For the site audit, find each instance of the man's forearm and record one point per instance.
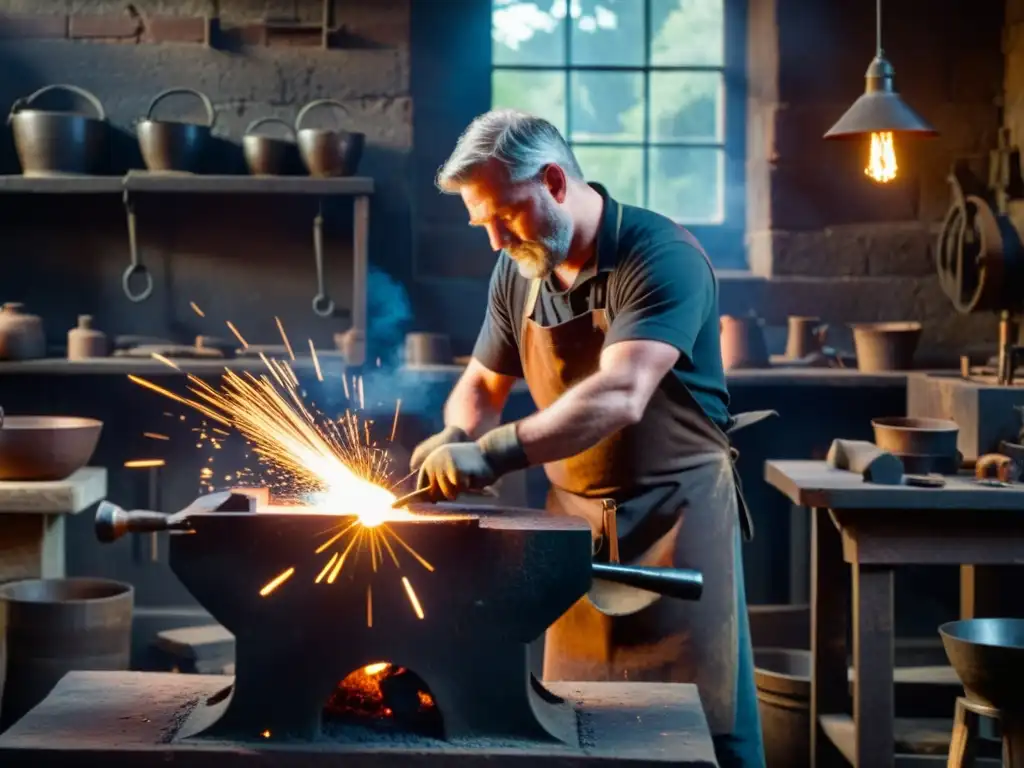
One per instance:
(594, 409)
(470, 408)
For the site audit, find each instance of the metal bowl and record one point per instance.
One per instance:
(45, 447)
(988, 657)
(58, 143)
(916, 436)
(326, 152)
(168, 145)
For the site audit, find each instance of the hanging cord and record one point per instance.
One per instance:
(878, 28)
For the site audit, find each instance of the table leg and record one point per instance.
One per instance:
(873, 705)
(829, 601)
(988, 591)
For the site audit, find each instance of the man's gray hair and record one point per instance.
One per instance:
(523, 143)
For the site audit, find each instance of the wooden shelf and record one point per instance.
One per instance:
(182, 183)
(67, 185)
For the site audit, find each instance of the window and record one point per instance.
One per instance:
(641, 89)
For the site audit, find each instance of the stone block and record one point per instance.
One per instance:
(33, 27)
(384, 23)
(103, 27)
(903, 248)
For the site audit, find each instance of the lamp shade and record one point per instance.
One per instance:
(879, 109)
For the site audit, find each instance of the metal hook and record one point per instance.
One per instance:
(323, 305)
(135, 267)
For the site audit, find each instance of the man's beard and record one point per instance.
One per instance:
(537, 259)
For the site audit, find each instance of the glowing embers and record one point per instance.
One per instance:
(383, 697)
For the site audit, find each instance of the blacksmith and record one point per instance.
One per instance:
(610, 314)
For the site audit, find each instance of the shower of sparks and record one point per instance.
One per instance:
(284, 338)
(165, 360)
(277, 582)
(241, 340)
(145, 464)
(330, 467)
(155, 436)
(196, 309)
(316, 361)
(394, 423)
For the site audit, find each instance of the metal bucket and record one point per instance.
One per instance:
(56, 626)
(58, 143)
(168, 145)
(328, 153)
(268, 155)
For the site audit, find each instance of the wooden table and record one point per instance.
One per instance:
(875, 528)
(32, 522)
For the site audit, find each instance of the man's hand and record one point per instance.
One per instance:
(460, 467)
(446, 436)
(454, 469)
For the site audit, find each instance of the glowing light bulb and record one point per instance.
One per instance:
(882, 165)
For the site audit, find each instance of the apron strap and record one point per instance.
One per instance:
(532, 293)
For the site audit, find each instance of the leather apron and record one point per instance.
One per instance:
(655, 493)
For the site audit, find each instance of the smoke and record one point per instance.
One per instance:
(388, 319)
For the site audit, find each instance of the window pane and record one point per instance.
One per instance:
(539, 93)
(607, 106)
(687, 33)
(687, 184)
(687, 106)
(528, 32)
(607, 33)
(619, 169)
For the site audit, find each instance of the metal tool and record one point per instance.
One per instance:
(323, 304)
(427, 496)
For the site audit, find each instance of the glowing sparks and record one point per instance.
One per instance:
(166, 361)
(276, 582)
(330, 467)
(416, 607)
(196, 309)
(316, 361)
(394, 423)
(376, 668)
(882, 163)
(241, 339)
(145, 464)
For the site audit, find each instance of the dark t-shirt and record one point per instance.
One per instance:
(658, 287)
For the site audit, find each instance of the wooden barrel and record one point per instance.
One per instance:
(55, 626)
(783, 678)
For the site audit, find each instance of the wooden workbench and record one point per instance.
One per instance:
(874, 529)
(32, 522)
(131, 720)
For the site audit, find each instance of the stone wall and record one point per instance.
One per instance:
(1013, 86)
(832, 242)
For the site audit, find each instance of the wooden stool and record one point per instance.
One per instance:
(963, 745)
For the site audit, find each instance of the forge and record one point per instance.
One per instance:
(405, 643)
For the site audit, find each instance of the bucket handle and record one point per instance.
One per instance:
(264, 120)
(318, 103)
(211, 114)
(25, 101)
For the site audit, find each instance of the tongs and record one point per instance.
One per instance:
(429, 495)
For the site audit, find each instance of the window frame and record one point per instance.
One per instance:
(723, 241)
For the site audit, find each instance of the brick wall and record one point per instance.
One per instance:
(832, 242)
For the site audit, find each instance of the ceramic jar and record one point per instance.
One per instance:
(743, 342)
(85, 342)
(21, 334)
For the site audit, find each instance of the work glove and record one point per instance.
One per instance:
(444, 437)
(457, 468)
